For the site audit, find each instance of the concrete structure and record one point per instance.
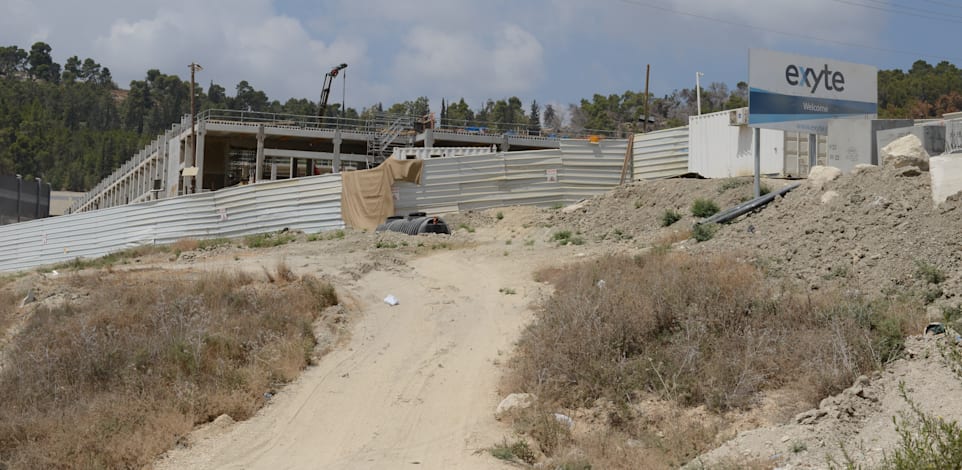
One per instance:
(236, 148)
(853, 141)
(932, 136)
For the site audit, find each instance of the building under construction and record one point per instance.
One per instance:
(242, 147)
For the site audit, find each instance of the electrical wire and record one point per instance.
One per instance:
(945, 4)
(919, 13)
(674, 11)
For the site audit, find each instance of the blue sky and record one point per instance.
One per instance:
(554, 51)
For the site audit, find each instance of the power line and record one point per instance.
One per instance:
(920, 13)
(785, 33)
(945, 4)
(894, 4)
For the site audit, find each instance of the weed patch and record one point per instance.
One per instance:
(704, 232)
(141, 360)
(669, 217)
(703, 331)
(704, 208)
(268, 240)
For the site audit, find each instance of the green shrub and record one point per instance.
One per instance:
(704, 232)
(704, 208)
(268, 240)
(929, 273)
(669, 217)
(499, 215)
(926, 441)
(517, 450)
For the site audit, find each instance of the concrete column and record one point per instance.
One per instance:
(259, 166)
(428, 138)
(201, 134)
(337, 152)
(292, 173)
(505, 145)
(311, 166)
(188, 162)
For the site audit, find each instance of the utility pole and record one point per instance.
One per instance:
(698, 76)
(647, 76)
(194, 67)
(19, 195)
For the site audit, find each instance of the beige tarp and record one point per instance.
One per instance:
(366, 199)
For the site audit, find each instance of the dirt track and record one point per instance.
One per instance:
(415, 385)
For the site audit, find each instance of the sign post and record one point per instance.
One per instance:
(798, 93)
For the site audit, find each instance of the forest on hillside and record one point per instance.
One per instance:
(71, 125)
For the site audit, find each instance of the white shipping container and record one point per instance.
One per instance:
(719, 149)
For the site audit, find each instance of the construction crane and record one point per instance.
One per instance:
(326, 92)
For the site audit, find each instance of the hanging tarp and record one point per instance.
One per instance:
(367, 199)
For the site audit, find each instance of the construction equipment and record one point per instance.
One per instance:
(326, 91)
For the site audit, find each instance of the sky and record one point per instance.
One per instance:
(553, 51)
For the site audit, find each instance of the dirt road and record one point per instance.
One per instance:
(415, 386)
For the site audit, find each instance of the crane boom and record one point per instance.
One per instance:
(326, 91)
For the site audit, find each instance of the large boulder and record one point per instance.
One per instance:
(823, 174)
(904, 152)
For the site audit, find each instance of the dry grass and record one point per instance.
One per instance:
(696, 331)
(114, 380)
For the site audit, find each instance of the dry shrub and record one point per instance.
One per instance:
(185, 244)
(698, 330)
(9, 301)
(112, 381)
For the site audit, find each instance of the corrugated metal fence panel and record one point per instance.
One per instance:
(661, 154)
(538, 177)
(310, 204)
(589, 168)
(524, 182)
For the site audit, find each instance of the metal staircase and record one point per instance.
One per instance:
(388, 130)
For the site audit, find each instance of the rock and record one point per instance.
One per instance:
(514, 401)
(864, 168)
(823, 174)
(810, 416)
(908, 171)
(829, 196)
(30, 298)
(223, 420)
(905, 152)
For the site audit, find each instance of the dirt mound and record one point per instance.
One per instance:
(874, 231)
(860, 418)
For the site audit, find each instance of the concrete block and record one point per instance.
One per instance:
(946, 172)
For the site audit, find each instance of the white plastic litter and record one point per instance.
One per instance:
(391, 300)
(564, 420)
(601, 284)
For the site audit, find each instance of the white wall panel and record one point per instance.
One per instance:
(310, 204)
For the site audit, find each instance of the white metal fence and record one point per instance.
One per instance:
(661, 154)
(310, 204)
(577, 170)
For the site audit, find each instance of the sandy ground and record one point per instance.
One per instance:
(415, 385)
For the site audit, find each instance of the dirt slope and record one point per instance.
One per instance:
(860, 419)
(415, 385)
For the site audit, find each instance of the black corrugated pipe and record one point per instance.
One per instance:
(416, 223)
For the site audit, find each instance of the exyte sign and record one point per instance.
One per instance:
(811, 78)
(800, 93)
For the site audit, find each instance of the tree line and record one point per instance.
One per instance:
(72, 125)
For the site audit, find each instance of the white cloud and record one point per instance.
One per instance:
(505, 60)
